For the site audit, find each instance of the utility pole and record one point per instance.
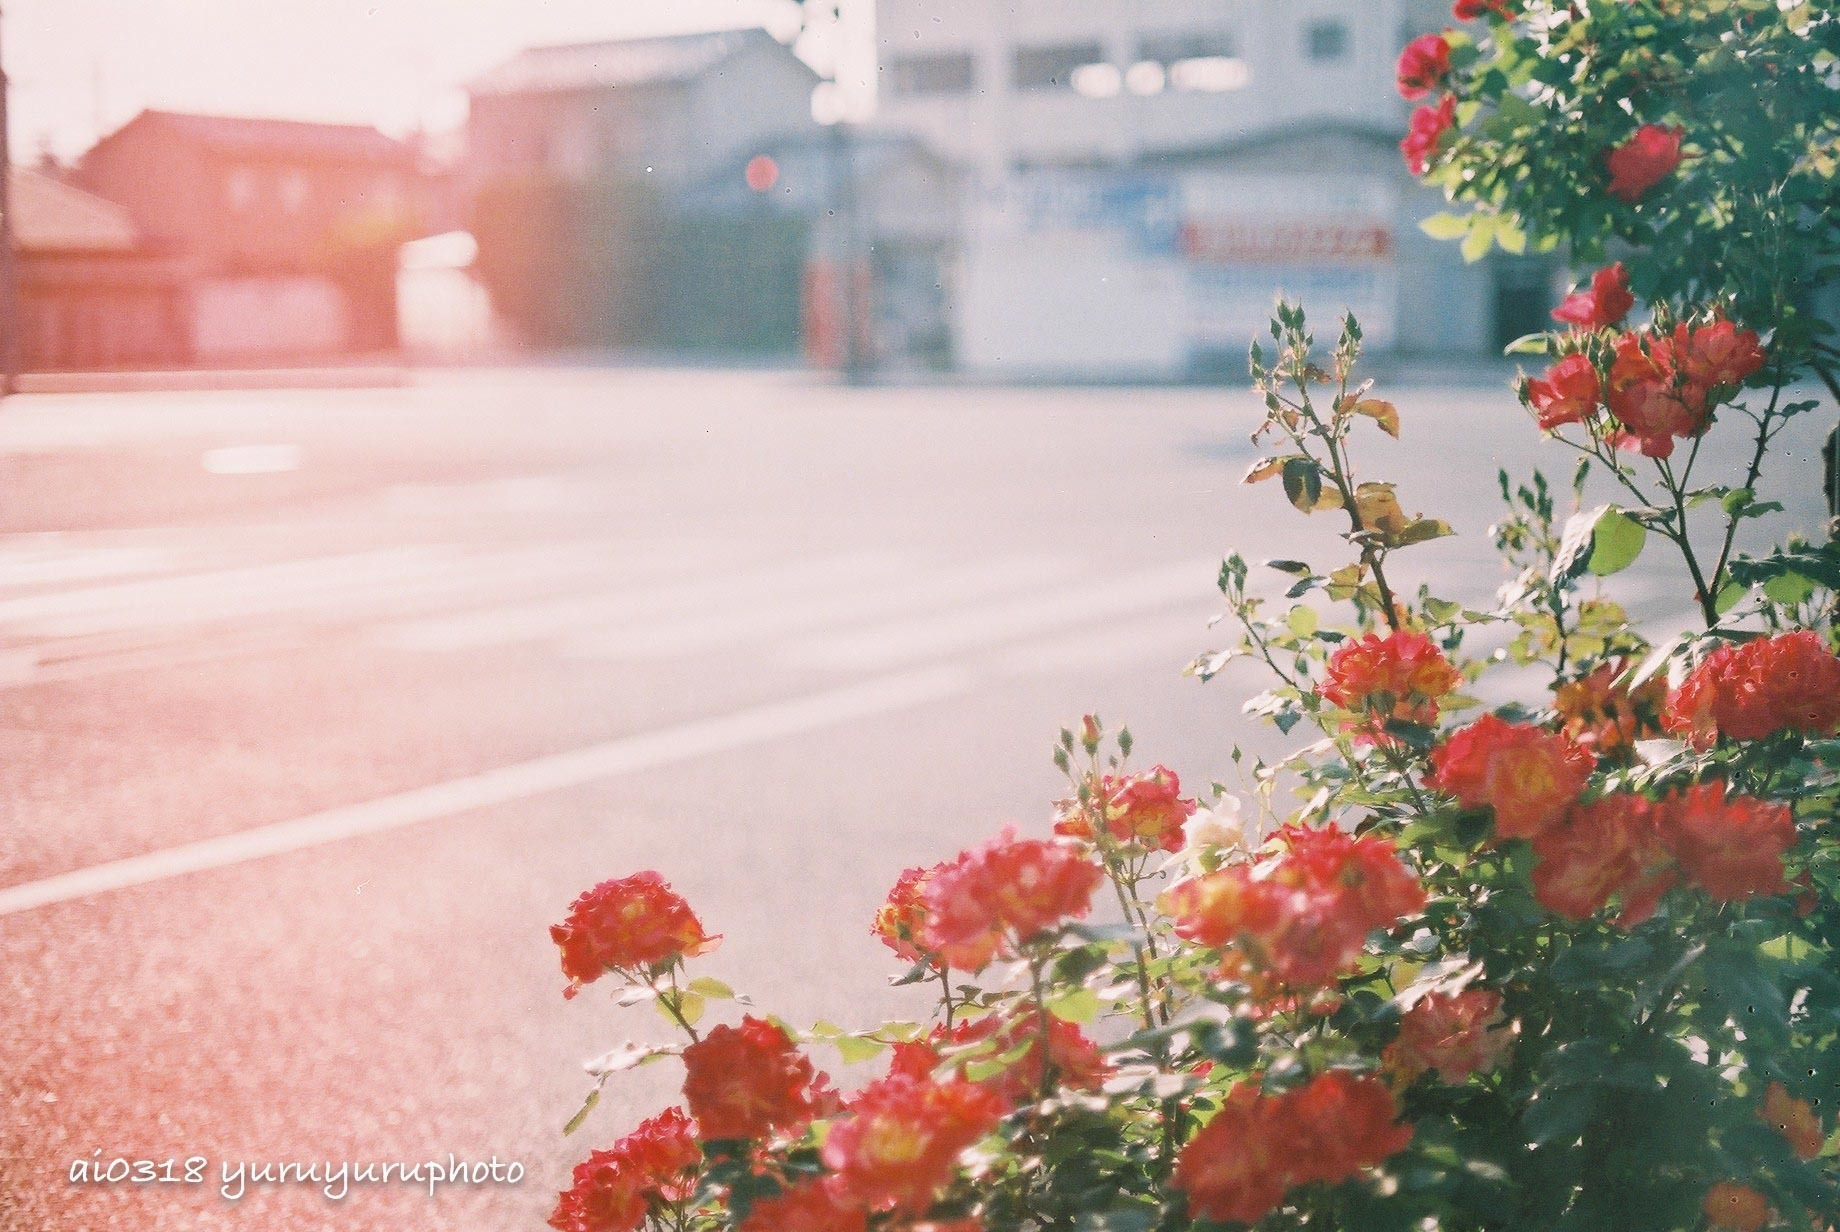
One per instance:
(9, 267)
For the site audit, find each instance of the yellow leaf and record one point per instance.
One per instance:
(1381, 412)
(1379, 509)
(1263, 469)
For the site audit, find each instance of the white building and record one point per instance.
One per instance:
(1151, 172)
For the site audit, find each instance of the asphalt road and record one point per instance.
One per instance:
(319, 706)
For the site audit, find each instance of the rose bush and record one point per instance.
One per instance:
(1563, 959)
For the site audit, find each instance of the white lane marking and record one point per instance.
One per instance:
(905, 641)
(528, 622)
(519, 781)
(745, 621)
(28, 564)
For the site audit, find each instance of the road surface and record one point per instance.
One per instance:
(321, 705)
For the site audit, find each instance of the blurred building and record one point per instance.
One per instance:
(579, 163)
(668, 110)
(1147, 177)
(292, 227)
(92, 294)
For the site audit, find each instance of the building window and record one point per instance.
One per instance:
(1326, 40)
(945, 73)
(1203, 61)
(1052, 67)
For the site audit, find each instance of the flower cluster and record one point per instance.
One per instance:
(1258, 1147)
(902, 916)
(1527, 775)
(1144, 810)
(901, 1136)
(1601, 714)
(614, 1190)
(995, 898)
(1304, 911)
(1398, 677)
(631, 924)
(1756, 689)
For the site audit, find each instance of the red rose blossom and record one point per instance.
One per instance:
(903, 916)
(900, 1139)
(1466, 10)
(1643, 161)
(1600, 850)
(1396, 677)
(994, 897)
(1143, 810)
(747, 1081)
(1452, 1034)
(1607, 717)
(1716, 353)
(1239, 1166)
(809, 1206)
(1759, 688)
(1304, 910)
(633, 923)
(1730, 847)
(1567, 394)
(1794, 1119)
(1607, 302)
(1526, 774)
(1731, 1207)
(1428, 126)
(1423, 65)
(613, 1190)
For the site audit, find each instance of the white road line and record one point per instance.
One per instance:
(906, 641)
(522, 780)
(24, 564)
(528, 622)
(745, 621)
(1175, 637)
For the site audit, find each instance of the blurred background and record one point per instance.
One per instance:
(470, 449)
(1092, 190)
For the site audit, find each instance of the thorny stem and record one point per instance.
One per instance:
(1765, 433)
(671, 1000)
(945, 982)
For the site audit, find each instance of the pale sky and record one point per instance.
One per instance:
(82, 67)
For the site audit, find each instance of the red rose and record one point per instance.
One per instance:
(1454, 1034)
(747, 1081)
(1747, 692)
(1257, 1147)
(1142, 810)
(613, 1190)
(1396, 677)
(1647, 397)
(1794, 1119)
(1730, 848)
(1526, 774)
(1428, 125)
(627, 925)
(1423, 65)
(1607, 302)
(1567, 394)
(903, 916)
(1715, 354)
(1468, 9)
(1303, 911)
(1643, 161)
(992, 898)
(809, 1206)
(1600, 850)
(900, 1138)
(1736, 1208)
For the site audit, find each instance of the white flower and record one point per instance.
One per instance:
(1218, 835)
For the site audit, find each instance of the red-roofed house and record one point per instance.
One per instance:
(294, 226)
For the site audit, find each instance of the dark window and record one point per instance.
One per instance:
(943, 73)
(1326, 40)
(1167, 49)
(1051, 68)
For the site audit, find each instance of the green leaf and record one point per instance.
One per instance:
(1302, 620)
(855, 1049)
(1446, 226)
(1079, 1006)
(581, 1115)
(1616, 541)
(716, 990)
(1302, 483)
